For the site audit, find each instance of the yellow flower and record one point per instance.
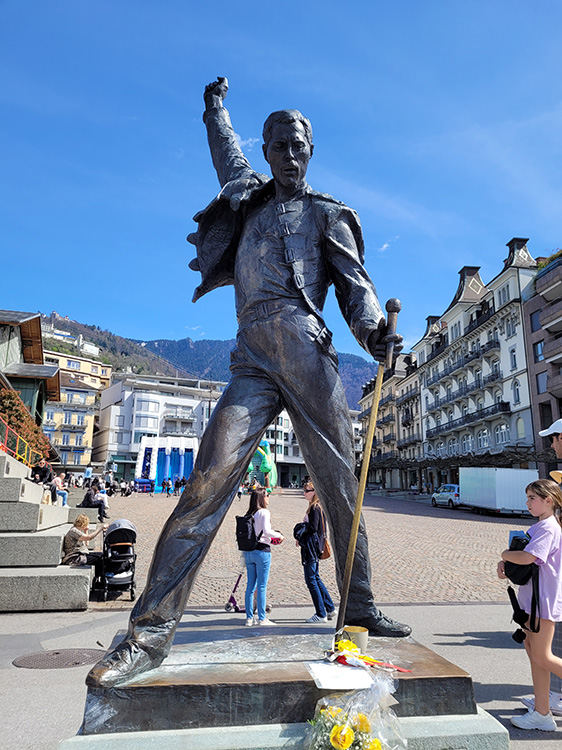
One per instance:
(346, 646)
(374, 745)
(332, 711)
(342, 736)
(361, 723)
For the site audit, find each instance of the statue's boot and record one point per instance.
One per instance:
(381, 625)
(126, 660)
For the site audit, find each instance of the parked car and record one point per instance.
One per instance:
(447, 494)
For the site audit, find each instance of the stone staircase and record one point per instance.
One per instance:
(31, 576)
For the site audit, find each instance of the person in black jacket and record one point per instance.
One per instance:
(312, 541)
(43, 474)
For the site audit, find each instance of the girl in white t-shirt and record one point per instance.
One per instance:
(258, 560)
(544, 501)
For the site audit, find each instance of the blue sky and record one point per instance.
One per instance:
(440, 122)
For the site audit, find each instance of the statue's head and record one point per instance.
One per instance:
(287, 146)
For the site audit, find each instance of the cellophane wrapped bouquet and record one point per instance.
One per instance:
(358, 720)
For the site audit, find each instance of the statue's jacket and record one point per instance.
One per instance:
(324, 249)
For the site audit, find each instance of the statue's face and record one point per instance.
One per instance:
(288, 153)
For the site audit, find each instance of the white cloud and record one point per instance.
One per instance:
(192, 328)
(385, 247)
(246, 143)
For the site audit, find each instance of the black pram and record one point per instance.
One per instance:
(119, 557)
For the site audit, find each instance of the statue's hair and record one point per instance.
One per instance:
(285, 117)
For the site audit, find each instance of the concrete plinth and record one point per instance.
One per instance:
(40, 589)
(478, 731)
(258, 678)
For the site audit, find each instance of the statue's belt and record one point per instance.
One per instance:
(285, 305)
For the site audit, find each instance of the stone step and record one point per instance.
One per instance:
(13, 489)
(43, 589)
(25, 516)
(73, 514)
(478, 731)
(10, 467)
(36, 549)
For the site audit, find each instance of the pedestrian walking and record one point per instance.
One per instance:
(258, 560)
(544, 501)
(312, 539)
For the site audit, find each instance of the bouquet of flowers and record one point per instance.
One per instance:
(359, 720)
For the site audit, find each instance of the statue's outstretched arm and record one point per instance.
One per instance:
(228, 159)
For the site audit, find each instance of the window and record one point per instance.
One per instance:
(280, 421)
(496, 367)
(80, 420)
(467, 443)
(517, 392)
(104, 370)
(72, 364)
(440, 449)
(65, 438)
(483, 439)
(50, 415)
(286, 450)
(296, 450)
(94, 369)
(503, 295)
(537, 351)
(478, 377)
(139, 435)
(453, 447)
(78, 439)
(68, 417)
(498, 395)
(541, 382)
(535, 321)
(513, 359)
(119, 420)
(279, 448)
(502, 433)
(64, 457)
(509, 328)
(120, 437)
(520, 429)
(146, 422)
(145, 405)
(286, 423)
(464, 409)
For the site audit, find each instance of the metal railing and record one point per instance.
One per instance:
(475, 416)
(14, 445)
(412, 393)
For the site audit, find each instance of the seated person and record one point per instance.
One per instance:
(43, 474)
(59, 489)
(75, 550)
(96, 499)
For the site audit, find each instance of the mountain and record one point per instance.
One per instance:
(210, 359)
(203, 359)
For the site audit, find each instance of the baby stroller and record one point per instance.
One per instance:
(119, 558)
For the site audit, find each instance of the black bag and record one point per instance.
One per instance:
(246, 534)
(519, 575)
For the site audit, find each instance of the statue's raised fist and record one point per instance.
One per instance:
(215, 91)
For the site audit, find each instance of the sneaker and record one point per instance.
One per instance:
(265, 622)
(534, 720)
(332, 614)
(316, 618)
(555, 703)
(249, 622)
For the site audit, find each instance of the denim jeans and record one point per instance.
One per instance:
(64, 495)
(319, 593)
(257, 569)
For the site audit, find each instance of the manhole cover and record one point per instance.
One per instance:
(61, 659)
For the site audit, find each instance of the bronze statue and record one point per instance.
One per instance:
(281, 244)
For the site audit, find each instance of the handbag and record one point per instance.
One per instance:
(327, 551)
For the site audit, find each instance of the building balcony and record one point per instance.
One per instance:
(390, 438)
(554, 385)
(409, 440)
(552, 351)
(482, 318)
(475, 416)
(385, 456)
(72, 427)
(184, 415)
(387, 399)
(69, 406)
(437, 351)
(551, 317)
(386, 420)
(68, 447)
(489, 346)
(49, 423)
(412, 393)
(175, 432)
(548, 281)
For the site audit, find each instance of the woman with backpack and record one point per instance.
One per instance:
(544, 501)
(258, 560)
(312, 539)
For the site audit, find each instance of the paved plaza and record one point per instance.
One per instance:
(433, 568)
(419, 554)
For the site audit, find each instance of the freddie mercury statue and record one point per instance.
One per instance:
(281, 244)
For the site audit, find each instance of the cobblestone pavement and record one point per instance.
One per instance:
(419, 554)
